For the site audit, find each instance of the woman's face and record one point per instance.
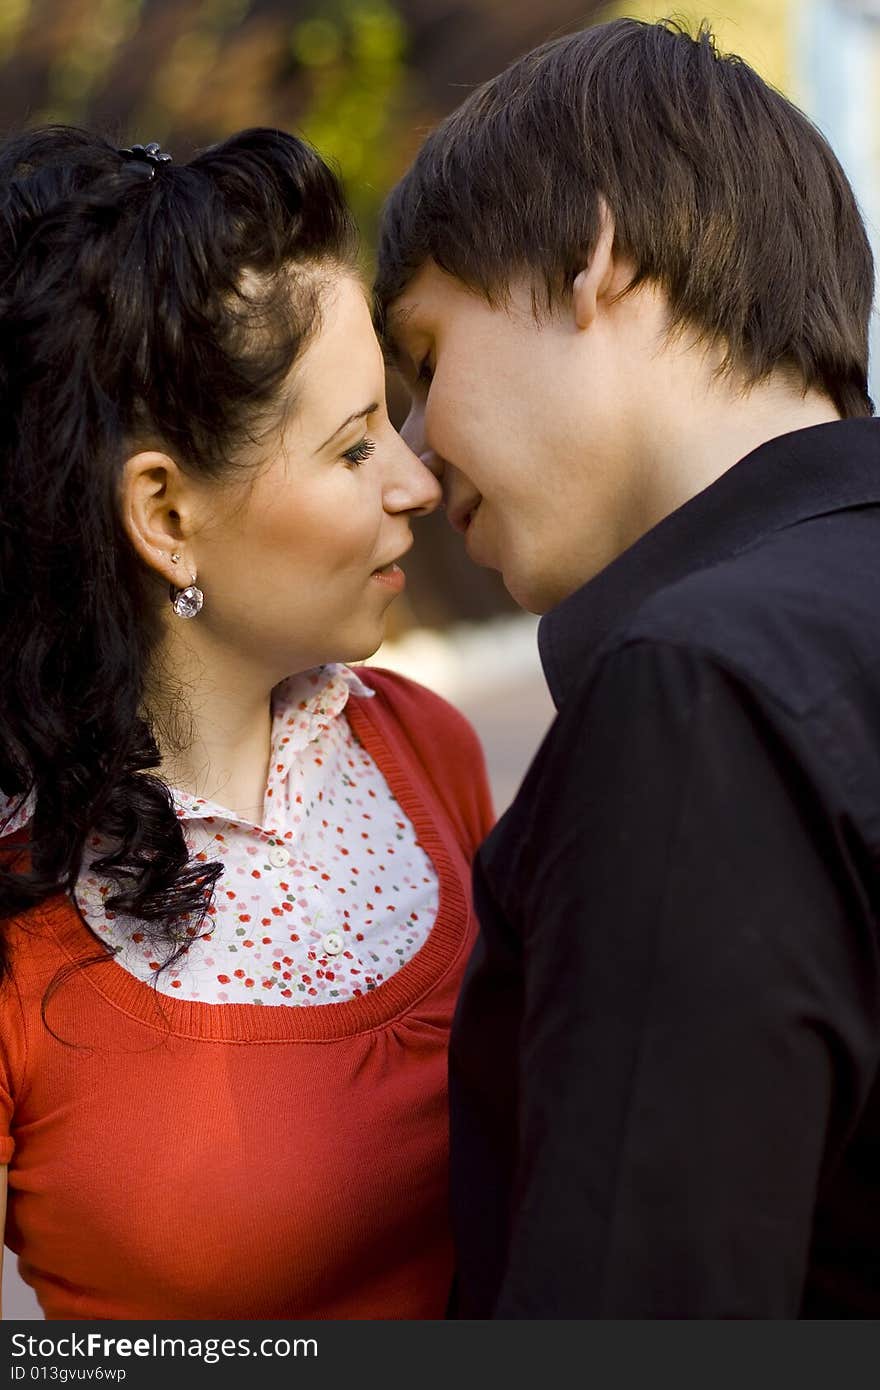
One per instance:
(298, 564)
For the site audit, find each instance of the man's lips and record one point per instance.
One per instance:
(461, 515)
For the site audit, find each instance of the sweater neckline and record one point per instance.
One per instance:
(286, 1023)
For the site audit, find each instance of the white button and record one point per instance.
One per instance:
(278, 856)
(333, 943)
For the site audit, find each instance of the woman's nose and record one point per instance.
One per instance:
(433, 462)
(429, 490)
(413, 485)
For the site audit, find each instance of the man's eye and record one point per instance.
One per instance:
(360, 452)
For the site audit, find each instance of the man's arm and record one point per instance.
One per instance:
(694, 973)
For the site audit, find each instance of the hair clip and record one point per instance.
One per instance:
(150, 156)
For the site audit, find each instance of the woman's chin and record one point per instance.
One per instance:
(363, 647)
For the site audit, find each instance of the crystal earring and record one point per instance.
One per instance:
(187, 602)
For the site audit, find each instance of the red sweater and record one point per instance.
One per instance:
(173, 1159)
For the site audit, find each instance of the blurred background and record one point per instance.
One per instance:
(364, 80)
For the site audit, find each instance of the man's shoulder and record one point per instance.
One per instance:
(794, 614)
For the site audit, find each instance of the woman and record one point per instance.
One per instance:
(235, 900)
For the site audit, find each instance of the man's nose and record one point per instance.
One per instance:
(412, 433)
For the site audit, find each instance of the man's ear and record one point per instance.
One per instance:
(596, 279)
(154, 511)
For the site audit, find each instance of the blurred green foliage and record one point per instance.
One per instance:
(360, 78)
(79, 68)
(189, 72)
(13, 14)
(354, 54)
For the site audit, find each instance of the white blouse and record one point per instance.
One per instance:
(325, 898)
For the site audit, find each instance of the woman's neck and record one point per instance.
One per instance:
(213, 722)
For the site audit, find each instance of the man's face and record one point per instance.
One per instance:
(517, 417)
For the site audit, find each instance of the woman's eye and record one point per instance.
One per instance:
(360, 453)
(425, 373)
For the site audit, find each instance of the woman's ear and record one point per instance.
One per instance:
(598, 279)
(154, 511)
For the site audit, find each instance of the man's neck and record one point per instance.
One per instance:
(712, 427)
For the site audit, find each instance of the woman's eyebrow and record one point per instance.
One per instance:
(356, 415)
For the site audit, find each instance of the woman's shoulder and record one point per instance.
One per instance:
(442, 740)
(32, 945)
(419, 708)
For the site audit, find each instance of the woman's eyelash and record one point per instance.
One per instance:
(425, 372)
(360, 453)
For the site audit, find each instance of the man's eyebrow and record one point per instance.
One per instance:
(392, 324)
(355, 415)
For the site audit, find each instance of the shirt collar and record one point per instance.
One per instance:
(807, 473)
(15, 812)
(304, 707)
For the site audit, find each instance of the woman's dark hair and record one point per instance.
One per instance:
(137, 306)
(722, 192)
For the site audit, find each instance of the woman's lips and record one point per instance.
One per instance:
(392, 576)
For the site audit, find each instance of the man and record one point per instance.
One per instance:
(629, 287)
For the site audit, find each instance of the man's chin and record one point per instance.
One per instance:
(530, 589)
(526, 594)
(533, 591)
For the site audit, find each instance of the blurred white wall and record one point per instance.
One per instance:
(837, 67)
(18, 1300)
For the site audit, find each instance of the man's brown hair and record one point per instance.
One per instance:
(722, 192)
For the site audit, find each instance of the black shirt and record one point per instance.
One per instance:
(664, 1062)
